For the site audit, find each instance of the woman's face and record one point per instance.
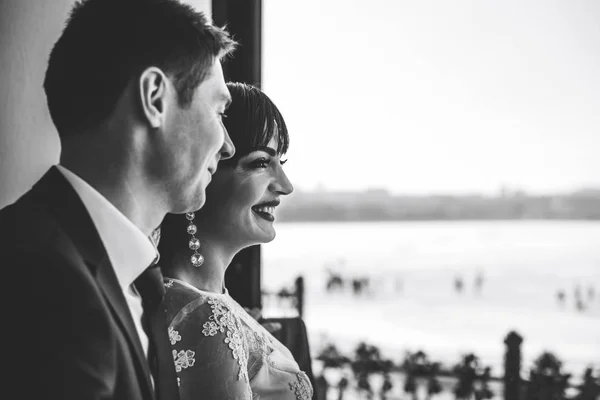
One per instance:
(241, 201)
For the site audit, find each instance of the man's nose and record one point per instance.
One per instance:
(228, 149)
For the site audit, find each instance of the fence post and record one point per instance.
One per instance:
(512, 366)
(321, 388)
(300, 295)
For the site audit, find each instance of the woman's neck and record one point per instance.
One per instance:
(210, 276)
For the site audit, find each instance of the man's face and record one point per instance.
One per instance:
(197, 140)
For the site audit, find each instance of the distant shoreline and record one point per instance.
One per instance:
(381, 206)
(283, 220)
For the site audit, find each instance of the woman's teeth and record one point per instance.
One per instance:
(267, 210)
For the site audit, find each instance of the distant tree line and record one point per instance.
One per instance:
(381, 206)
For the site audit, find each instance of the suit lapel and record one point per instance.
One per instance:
(113, 294)
(167, 378)
(55, 192)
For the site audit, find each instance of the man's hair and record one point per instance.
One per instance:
(106, 43)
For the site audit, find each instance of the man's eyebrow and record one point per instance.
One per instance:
(270, 151)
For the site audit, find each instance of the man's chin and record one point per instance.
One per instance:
(189, 202)
(192, 206)
(200, 203)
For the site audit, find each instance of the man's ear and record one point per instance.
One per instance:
(153, 90)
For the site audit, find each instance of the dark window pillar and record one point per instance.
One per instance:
(243, 278)
(244, 21)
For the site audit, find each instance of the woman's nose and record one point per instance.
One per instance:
(282, 184)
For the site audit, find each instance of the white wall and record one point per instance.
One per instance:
(28, 140)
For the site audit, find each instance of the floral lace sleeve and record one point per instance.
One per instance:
(210, 357)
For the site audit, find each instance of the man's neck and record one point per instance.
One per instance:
(121, 186)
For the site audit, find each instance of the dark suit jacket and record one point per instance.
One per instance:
(70, 332)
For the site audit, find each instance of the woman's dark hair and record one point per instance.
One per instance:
(252, 121)
(106, 43)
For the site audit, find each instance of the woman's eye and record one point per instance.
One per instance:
(282, 162)
(222, 115)
(260, 163)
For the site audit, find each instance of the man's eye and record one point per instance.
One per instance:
(223, 115)
(282, 162)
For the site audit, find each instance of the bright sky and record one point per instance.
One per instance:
(428, 96)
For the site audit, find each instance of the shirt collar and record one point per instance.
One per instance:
(129, 250)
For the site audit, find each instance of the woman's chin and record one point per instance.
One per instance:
(265, 237)
(264, 231)
(272, 237)
(257, 238)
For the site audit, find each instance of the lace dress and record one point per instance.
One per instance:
(221, 352)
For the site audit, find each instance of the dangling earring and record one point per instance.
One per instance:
(155, 236)
(194, 244)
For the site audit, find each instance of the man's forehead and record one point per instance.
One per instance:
(215, 82)
(221, 92)
(215, 91)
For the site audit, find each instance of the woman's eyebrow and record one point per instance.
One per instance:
(270, 151)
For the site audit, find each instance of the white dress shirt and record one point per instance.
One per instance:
(129, 250)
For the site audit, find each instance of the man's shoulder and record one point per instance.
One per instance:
(33, 223)
(27, 224)
(40, 262)
(33, 244)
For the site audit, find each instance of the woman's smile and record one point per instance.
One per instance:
(266, 210)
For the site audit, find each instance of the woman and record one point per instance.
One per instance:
(220, 351)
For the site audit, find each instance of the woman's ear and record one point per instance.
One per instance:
(153, 95)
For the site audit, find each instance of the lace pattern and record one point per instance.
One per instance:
(302, 389)
(223, 320)
(174, 336)
(251, 346)
(257, 345)
(183, 359)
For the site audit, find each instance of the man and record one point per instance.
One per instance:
(136, 91)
